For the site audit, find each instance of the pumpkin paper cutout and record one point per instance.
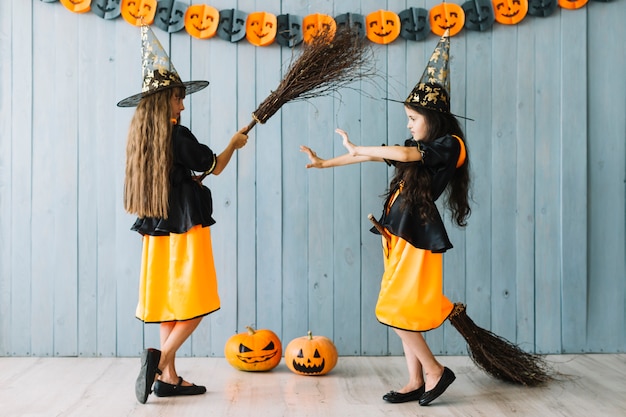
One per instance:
(382, 26)
(311, 355)
(77, 6)
(478, 15)
(106, 9)
(254, 350)
(232, 25)
(261, 28)
(541, 8)
(139, 12)
(510, 12)
(289, 30)
(317, 23)
(170, 15)
(446, 16)
(572, 4)
(414, 24)
(201, 21)
(353, 21)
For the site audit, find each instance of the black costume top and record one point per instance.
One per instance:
(439, 158)
(190, 203)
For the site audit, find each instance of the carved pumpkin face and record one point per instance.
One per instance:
(261, 28)
(138, 12)
(317, 23)
(170, 15)
(254, 350)
(572, 4)
(77, 6)
(106, 9)
(353, 21)
(289, 31)
(382, 26)
(510, 12)
(541, 8)
(478, 14)
(311, 355)
(414, 24)
(446, 16)
(201, 21)
(232, 25)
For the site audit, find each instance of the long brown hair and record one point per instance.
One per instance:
(149, 157)
(417, 181)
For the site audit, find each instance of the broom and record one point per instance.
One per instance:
(493, 354)
(328, 63)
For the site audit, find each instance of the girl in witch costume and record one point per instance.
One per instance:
(178, 285)
(433, 162)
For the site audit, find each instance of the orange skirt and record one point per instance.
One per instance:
(411, 291)
(178, 280)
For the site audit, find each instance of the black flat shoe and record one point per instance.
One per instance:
(163, 389)
(397, 397)
(149, 368)
(446, 379)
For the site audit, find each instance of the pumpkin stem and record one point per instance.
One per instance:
(251, 330)
(310, 335)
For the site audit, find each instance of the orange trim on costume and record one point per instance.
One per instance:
(462, 154)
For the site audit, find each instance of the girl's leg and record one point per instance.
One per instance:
(415, 343)
(173, 335)
(416, 376)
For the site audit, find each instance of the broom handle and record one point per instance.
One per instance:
(378, 226)
(245, 132)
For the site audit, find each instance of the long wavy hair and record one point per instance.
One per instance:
(149, 156)
(417, 182)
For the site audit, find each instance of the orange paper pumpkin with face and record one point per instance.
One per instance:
(446, 16)
(139, 12)
(317, 23)
(510, 12)
(261, 28)
(572, 4)
(382, 26)
(201, 21)
(77, 6)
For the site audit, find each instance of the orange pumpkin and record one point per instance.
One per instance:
(510, 12)
(311, 355)
(382, 26)
(254, 350)
(317, 23)
(446, 16)
(139, 12)
(201, 21)
(77, 6)
(261, 28)
(572, 4)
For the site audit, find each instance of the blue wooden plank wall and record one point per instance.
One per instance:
(541, 263)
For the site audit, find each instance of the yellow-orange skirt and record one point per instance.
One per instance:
(411, 291)
(178, 280)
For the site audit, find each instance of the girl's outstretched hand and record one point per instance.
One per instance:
(316, 161)
(346, 142)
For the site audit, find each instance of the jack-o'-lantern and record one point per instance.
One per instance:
(254, 350)
(201, 21)
(478, 15)
(572, 4)
(232, 25)
(353, 21)
(106, 9)
(446, 16)
(139, 12)
(414, 24)
(311, 355)
(316, 24)
(77, 6)
(382, 26)
(510, 12)
(541, 8)
(289, 30)
(170, 15)
(261, 28)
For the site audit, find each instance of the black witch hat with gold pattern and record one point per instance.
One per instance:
(158, 71)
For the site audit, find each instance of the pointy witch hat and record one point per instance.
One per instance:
(158, 71)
